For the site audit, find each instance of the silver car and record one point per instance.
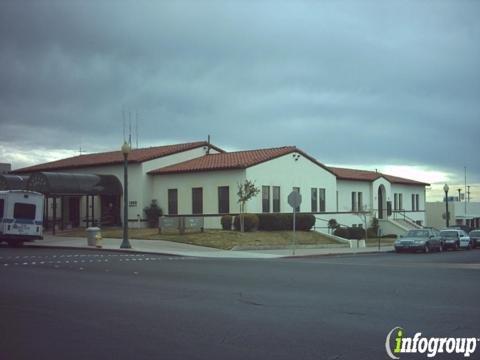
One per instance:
(425, 240)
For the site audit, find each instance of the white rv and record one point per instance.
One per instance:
(21, 216)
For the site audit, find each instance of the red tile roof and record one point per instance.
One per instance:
(231, 160)
(364, 175)
(114, 157)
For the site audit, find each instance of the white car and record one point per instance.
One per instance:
(455, 239)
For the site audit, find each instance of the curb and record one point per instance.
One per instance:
(338, 254)
(133, 251)
(287, 247)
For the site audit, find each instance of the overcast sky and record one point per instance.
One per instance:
(369, 84)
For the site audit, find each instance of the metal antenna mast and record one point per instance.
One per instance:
(136, 128)
(130, 128)
(123, 117)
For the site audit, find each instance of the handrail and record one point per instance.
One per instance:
(405, 216)
(339, 224)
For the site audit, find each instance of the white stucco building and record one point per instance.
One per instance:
(461, 213)
(199, 178)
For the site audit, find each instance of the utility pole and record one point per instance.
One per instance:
(465, 202)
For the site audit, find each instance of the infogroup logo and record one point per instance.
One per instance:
(397, 343)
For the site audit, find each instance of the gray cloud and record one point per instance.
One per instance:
(349, 82)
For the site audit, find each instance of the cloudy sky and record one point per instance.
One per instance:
(393, 86)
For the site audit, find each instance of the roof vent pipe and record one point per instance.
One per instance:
(208, 144)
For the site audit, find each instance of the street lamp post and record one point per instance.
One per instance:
(125, 151)
(447, 215)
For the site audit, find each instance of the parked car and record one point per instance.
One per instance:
(455, 239)
(425, 240)
(465, 228)
(475, 237)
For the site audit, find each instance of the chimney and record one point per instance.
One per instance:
(208, 144)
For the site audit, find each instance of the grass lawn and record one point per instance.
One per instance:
(383, 241)
(219, 239)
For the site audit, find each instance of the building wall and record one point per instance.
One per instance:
(5, 168)
(209, 182)
(147, 181)
(381, 183)
(407, 191)
(288, 173)
(435, 212)
(345, 189)
(140, 184)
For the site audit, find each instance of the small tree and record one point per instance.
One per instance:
(153, 212)
(364, 214)
(332, 225)
(375, 225)
(246, 191)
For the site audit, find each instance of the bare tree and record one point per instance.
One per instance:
(364, 214)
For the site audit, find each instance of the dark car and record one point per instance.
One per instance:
(425, 240)
(465, 228)
(475, 238)
(455, 239)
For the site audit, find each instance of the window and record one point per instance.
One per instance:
(276, 198)
(2, 204)
(417, 202)
(354, 201)
(223, 199)
(322, 200)
(395, 201)
(297, 189)
(360, 201)
(314, 198)
(24, 211)
(172, 201)
(197, 200)
(413, 202)
(400, 201)
(265, 199)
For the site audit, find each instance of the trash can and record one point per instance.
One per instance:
(92, 233)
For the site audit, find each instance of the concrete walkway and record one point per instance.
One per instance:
(180, 249)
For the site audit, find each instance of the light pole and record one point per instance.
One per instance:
(125, 151)
(447, 215)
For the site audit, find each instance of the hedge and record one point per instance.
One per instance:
(351, 233)
(226, 222)
(276, 222)
(250, 222)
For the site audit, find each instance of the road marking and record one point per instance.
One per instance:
(70, 259)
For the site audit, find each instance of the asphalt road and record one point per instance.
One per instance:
(72, 304)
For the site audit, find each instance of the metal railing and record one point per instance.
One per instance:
(401, 215)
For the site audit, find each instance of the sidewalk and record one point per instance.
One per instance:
(180, 249)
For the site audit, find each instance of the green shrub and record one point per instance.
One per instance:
(356, 233)
(279, 222)
(342, 232)
(153, 212)
(351, 233)
(226, 221)
(304, 222)
(333, 224)
(250, 222)
(271, 222)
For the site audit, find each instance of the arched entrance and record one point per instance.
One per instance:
(382, 204)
